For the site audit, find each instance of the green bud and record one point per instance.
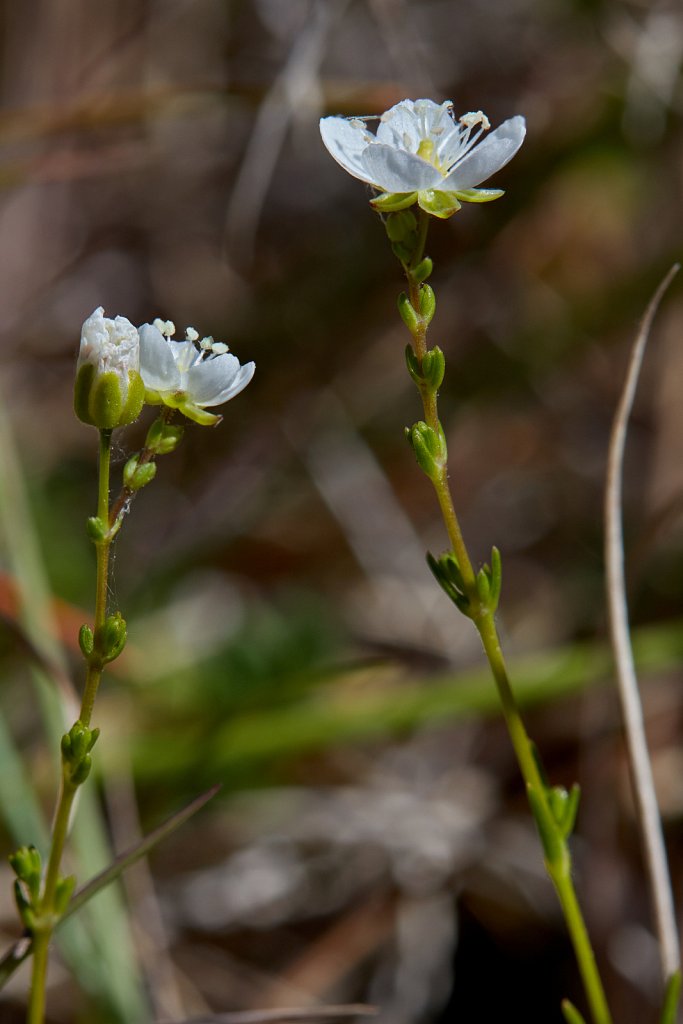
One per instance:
(438, 204)
(135, 475)
(109, 391)
(422, 271)
(76, 746)
(96, 529)
(427, 303)
(408, 314)
(483, 585)
(391, 202)
(433, 368)
(86, 640)
(112, 637)
(24, 906)
(429, 446)
(163, 438)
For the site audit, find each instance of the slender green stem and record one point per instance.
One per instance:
(559, 867)
(103, 546)
(36, 1006)
(583, 950)
(46, 913)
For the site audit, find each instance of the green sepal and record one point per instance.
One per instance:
(105, 403)
(408, 314)
(96, 528)
(571, 1014)
(82, 389)
(551, 838)
(672, 995)
(63, 893)
(392, 202)
(401, 227)
(112, 637)
(439, 204)
(429, 446)
(136, 476)
(86, 641)
(446, 571)
(478, 195)
(134, 400)
(422, 271)
(98, 399)
(163, 438)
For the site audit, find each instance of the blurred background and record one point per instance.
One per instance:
(371, 840)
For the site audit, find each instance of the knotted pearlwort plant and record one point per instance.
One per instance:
(119, 368)
(423, 155)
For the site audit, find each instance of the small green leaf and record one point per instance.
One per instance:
(408, 315)
(427, 303)
(422, 271)
(551, 837)
(433, 368)
(96, 528)
(86, 641)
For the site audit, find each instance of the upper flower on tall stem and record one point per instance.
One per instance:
(108, 391)
(189, 375)
(423, 153)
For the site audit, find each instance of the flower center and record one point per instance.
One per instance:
(427, 150)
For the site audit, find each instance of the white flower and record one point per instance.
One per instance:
(109, 390)
(421, 149)
(189, 375)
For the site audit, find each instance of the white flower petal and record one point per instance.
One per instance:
(238, 384)
(488, 156)
(157, 365)
(394, 170)
(346, 140)
(207, 379)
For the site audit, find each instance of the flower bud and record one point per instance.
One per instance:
(109, 391)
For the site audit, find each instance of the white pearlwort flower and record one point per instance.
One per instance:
(189, 375)
(109, 390)
(421, 150)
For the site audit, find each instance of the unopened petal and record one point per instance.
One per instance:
(157, 365)
(394, 170)
(346, 141)
(488, 157)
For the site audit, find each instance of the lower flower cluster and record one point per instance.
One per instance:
(120, 367)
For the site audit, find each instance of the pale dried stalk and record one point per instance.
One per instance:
(641, 767)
